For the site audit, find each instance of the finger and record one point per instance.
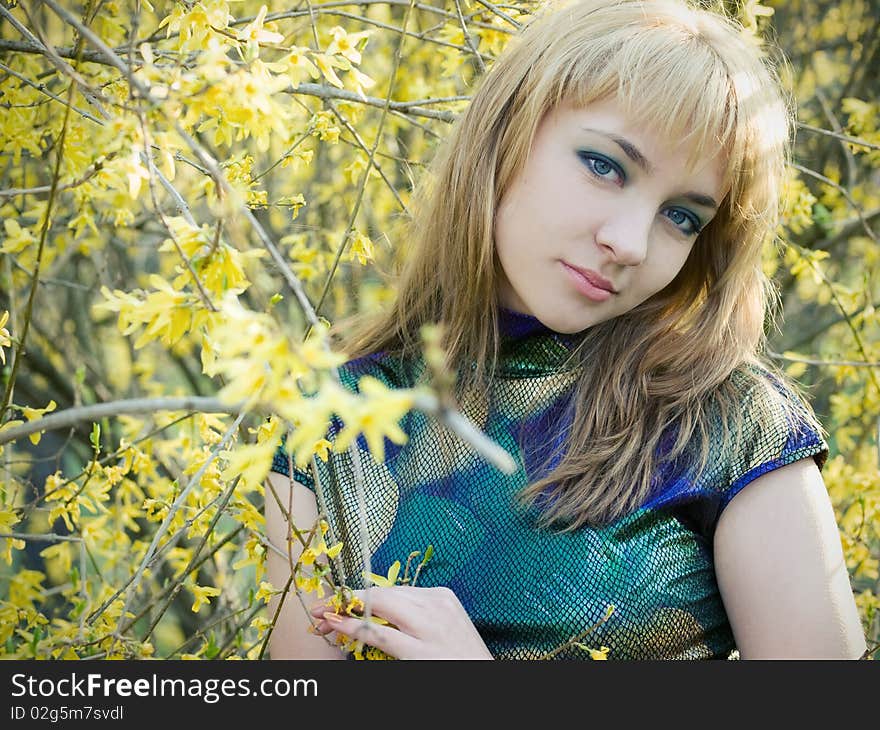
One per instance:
(318, 609)
(392, 641)
(397, 604)
(320, 627)
(381, 598)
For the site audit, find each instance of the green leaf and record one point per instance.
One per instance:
(38, 632)
(822, 215)
(95, 437)
(212, 650)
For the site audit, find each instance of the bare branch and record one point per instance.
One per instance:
(43, 90)
(96, 412)
(837, 135)
(823, 363)
(331, 92)
(166, 523)
(843, 191)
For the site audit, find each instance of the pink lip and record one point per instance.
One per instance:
(589, 283)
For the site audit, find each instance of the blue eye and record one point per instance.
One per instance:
(602, 167)
(685, 220)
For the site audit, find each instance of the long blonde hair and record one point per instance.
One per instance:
(685, 353)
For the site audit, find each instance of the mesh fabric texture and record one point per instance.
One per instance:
(530, 591)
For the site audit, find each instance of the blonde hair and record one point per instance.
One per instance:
(686, 355)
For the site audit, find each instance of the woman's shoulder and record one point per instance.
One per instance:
(758, 421)
(767, 399)
(774, 425)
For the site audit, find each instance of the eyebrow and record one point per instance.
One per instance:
(633, 152)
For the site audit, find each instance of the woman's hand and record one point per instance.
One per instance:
(430, 623)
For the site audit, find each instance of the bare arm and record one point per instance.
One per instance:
(781, 570)
(290, 638)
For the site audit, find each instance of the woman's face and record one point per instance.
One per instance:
(602, 216)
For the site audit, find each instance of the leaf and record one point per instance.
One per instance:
(95, 437)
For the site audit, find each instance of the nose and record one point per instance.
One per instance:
(625, 235)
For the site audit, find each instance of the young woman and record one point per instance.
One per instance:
(590, 238)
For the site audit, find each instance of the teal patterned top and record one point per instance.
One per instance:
(530, 591)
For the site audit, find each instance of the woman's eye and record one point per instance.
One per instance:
(602, 167)
(685, 220)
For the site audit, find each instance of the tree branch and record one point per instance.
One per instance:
(71, 416)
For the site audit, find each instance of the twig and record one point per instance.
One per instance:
(43, 90)
(843, 191)
(71, 416)
(343, 245)
(838, 135)
(454, 420)
(44, 229)
(851, 170)
(467, 37)
(354, 133)
(284, 593)
(56, 60)
(331, 92)
(224, 500)
(828, 363)
(163, 528)
(581, 635)
(500, 13)
(843, 311)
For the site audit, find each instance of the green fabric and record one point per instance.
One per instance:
(530, 591)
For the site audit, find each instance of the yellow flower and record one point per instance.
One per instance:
(345, 44)
(377, 417)
(33, 413)
(390, 580)
(298, 59)
(265, 592)
(361, 248)
(261, 623)
(326, 64)
(17, 238)
(310, 584)
(355, 607)
(6, 340)
(7, 519)
(135, 173)
(254, 34)
(595, 654)
(308, 556)
(321, 448)
(203, 595)
(295, 202)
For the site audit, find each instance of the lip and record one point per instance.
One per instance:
(589, 283)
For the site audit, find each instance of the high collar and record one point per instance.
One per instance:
(528, 347)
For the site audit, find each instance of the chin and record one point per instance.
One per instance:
(564, 325)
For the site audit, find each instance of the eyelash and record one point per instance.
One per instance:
(591, 158)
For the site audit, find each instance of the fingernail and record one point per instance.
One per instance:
(333, 618)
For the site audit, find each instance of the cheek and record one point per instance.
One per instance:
(667, 264)
(510, 235)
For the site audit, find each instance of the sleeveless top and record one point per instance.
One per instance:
(528, 591)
